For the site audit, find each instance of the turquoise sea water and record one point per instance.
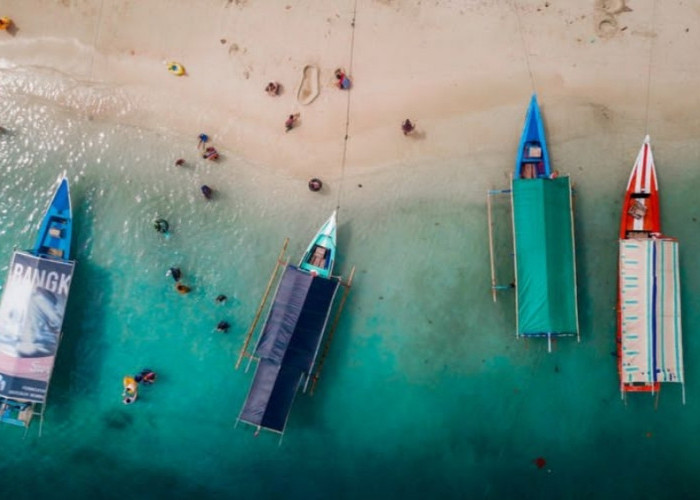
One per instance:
(426, 392)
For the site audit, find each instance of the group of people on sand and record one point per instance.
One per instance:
(343, 82)
(131, 384)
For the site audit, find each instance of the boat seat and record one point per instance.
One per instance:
(318, 258)
(56, 252)
(534, 152)
(55, 232)
(637, 210)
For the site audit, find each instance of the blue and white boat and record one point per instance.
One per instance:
(32, 308)
(532, 161)
(319, 257)
(57, 226)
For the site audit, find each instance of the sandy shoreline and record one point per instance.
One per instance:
(461, 72)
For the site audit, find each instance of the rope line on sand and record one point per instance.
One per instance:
(651, 53)
(96, 38)
(522, 39)
(347, 110)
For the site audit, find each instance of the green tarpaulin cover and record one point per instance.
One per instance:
(545, 257)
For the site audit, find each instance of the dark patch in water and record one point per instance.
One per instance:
(118, 420)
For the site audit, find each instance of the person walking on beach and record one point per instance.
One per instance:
(407, 127)
(203, 139)
(291, 122)
(273, 89)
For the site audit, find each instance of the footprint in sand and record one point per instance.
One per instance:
(308, 88)
(606, 25)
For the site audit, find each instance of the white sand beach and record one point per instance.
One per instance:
(463, 71)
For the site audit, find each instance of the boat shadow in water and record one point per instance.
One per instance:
(78, 361)
(310, 408)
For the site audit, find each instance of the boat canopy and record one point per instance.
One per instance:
(288, 346)
(31, 316)
(545, 257)
(650, 304)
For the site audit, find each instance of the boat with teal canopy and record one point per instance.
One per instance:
(543, 239)
(32, 308)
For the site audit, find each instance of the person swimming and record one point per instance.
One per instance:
(220, 299)
(207, 192)
(161, 226)
(146, 376)
(182, 289)
(210, 154)
(223, 326)
(175, 272)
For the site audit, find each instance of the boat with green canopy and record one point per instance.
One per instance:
(543, 240)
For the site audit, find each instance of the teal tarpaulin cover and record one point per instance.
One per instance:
(544, 257)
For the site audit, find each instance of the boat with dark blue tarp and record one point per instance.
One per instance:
(31, 314)
(289, 344)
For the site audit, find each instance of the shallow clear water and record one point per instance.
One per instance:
(426, 391)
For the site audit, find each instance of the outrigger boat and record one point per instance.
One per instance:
(31, 314)
(543, 240)
(649, 339)
(287, 349)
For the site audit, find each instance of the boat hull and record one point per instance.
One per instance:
(55, 232)
(641, 218)
(532, 161)
(319, 257)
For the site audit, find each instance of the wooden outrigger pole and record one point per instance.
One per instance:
(495, 287)
(251, 330)
(331, 332)
(493, 265)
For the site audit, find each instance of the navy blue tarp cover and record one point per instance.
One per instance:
(288, 346)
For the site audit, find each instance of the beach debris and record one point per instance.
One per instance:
(308, 87)
(175, 68)
(291, 122)
(540, 462)
(315, 184)
(407, 126)
(273, 89)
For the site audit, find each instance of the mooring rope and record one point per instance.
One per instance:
(651, 53)
(522, 39)
(347, 110)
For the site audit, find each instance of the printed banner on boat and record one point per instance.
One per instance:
(31, 315)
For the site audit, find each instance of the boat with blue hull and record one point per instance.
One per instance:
(532, 161)
(31, 314)
(543, 240)
(56, 227)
